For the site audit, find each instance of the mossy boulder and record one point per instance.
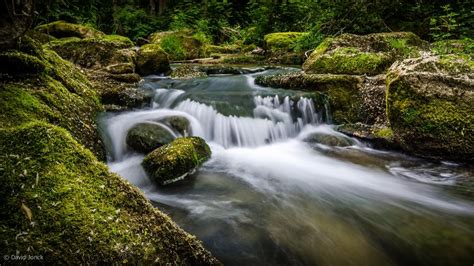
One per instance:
(60, 94)
(96, 53)
(282, 41)
(176, 160)
(146, 137)
(180, 124)
(14, 62)
(430, 103)
(118, 91)
(59, 202)
(370, 54)
(152, 59)
(180, 45)
(62, 29)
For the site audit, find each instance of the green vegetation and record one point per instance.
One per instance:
(248, 21)
(438, 122)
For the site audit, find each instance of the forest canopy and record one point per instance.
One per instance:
(222, 21)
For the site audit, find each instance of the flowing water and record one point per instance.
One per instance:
(268, 197)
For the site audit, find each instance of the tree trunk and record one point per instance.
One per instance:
(15, 19)
(152, 7)
(161, 6)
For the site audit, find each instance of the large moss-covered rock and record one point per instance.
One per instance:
(145, 137)
(62, 29)
(282, 41)
(59, 202)
(180, 45)
(430, 103)
(176, 160)
(370, 54)
(96, 53)
(152, 59)
(59, 94)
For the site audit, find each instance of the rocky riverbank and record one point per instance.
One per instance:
(395, 90)
(58, 199)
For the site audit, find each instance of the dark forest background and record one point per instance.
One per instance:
(222, 21)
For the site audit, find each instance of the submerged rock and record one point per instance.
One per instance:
(329, 140)
(370, 54)
(180, 124)
(430, 103)
(146, 137)
(151, 59)
(187, 72)
(176, 160)
(71, 209)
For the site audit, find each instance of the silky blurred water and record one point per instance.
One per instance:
(268, 197)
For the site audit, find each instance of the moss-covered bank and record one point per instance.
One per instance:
(58, 201)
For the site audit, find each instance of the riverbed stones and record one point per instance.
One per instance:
(145, 137)
(176, 160)
(430, 106)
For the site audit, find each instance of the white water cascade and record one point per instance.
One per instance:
(273, 120)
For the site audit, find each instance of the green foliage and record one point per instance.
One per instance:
(173, 45)
(133, 22)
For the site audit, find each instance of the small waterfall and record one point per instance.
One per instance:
(165, 98)
(273, 120)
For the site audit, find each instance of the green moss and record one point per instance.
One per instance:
(384, 132)
(464, 47)
(282, 41)
(126, 42)
(93, 52)
(80, 212)
(17, 63)
(350, 61)
(176, 159)
(362, 54)
(61, 29)
(180, 45)
(152, 59)
(433, 124)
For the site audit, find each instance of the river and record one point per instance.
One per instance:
(268, 197)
